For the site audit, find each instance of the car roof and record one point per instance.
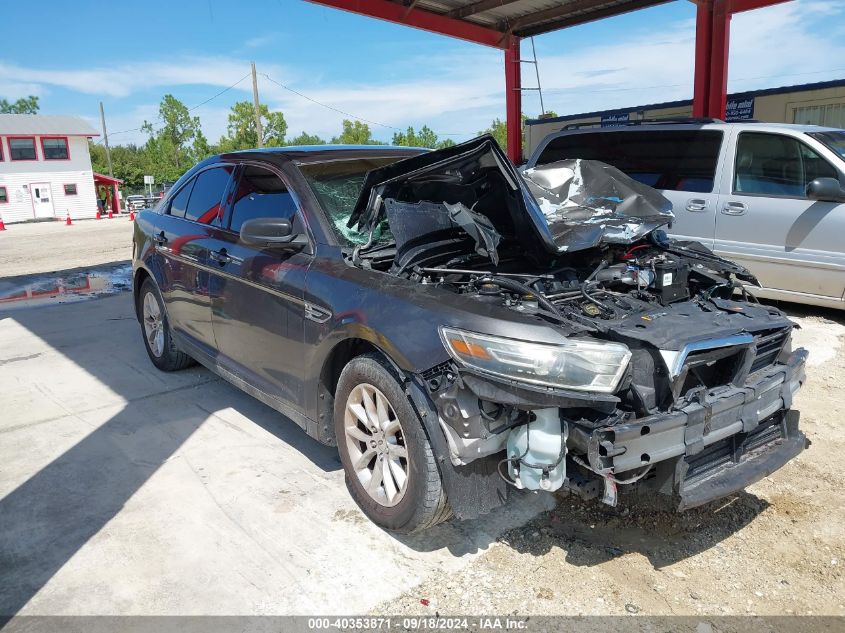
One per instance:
(312, 153)
(720, 125)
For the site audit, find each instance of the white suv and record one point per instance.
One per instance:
(769, 196)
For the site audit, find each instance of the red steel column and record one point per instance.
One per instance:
(513, 101)
(717, 95)
(703, 35)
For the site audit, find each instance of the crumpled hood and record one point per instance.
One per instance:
(568, 205)
(586, 202)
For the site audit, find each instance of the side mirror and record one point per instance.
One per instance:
(825, 190)
(271, 233)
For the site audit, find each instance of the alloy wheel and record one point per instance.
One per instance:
(375, 444)
(153, 325)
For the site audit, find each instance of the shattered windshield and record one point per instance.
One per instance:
(337, 184)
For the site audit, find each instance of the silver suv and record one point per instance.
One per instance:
(766, 195)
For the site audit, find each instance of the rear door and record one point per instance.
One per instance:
(682, 163)
(183, 237)
(258, 293)
(766, 222)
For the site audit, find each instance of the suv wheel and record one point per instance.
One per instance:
(390, 467)
(155, 329)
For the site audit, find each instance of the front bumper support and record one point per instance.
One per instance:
(717, 414)
(715, 476)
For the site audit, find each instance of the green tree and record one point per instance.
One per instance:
(499, 130)
(201, 149)
(424, 138)
(241, 133)
(129, 162)
(306, 139)
(355, 133)
(26, 105)
(170, 148)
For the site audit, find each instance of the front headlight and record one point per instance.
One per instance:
(580, 364)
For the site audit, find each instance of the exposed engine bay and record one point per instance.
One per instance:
(670, 370)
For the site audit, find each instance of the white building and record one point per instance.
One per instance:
(45, 168)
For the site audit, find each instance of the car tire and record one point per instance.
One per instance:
(155, 330)
(420, 502)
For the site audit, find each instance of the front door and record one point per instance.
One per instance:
(765, 221)
(42, 200)
(257, 294)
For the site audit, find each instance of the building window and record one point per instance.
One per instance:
(55, 148)
(1, 150)
(830, 115)
(4, 197)
(70, 190)
(22, 148)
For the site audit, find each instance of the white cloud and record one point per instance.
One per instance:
(125, 79)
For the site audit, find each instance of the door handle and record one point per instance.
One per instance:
(159, 238)
(697, 205)
(734, 208)
(221, 257)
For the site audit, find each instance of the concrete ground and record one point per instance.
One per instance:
(124, 490)
(42, 247)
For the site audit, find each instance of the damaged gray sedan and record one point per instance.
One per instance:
(459, 329)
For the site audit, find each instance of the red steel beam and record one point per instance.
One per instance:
(421, 19)
(513, 101)
(738, 6)
(719, 46)
(712, 38)
(701, 83)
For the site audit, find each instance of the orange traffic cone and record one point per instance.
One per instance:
(98, 214)
(67, 219)
(110, 214)
(2, 224)
(131, 216)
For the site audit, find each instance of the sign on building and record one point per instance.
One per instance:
(739, 109)
(614, 119)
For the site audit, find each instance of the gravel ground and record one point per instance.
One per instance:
(776, 549)
(43, 247)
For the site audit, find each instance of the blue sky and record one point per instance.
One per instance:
(129, 54)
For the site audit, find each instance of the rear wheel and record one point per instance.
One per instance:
(390, 467)
(155, 329)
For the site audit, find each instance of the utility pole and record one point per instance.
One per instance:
(258, 131)
(106, 139)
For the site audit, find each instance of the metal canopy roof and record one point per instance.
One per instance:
(496, 23)
(524, 18)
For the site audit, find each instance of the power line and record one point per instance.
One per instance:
(325, 105)
(344, 113)
(191, 109)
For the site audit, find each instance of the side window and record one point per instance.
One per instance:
(776, 165)
(678, 160)
(262, 194)
(180, 200)
(815, 166)
(205, 204)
